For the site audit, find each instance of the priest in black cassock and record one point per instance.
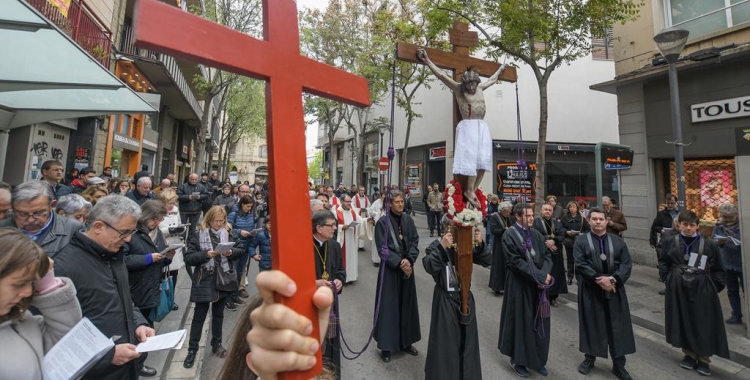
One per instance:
(453, 349)
(603, 264)
(694, 275)
(524, 319)
(329, 271)
(498, 223)
(554, 232)
(398, 314)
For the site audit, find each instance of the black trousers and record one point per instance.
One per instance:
(435, 216)
(199, 317)
(192, 219)
(620, 361)
(570, 261)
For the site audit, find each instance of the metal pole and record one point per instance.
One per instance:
(380, 180)
(674, 94)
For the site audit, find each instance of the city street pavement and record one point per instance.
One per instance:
(654, 359)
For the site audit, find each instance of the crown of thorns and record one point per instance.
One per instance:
(470, 76)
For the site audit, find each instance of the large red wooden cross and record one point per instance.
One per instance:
(277, 60)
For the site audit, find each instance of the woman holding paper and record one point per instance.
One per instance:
(145, 258)
(174, 232)
(210, 252)
(27, 278)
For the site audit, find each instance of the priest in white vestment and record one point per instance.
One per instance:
(348, 235)
(362, 203)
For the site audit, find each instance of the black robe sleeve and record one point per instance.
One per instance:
(718, 274)
(583, 263)
(394, 257)
(412, 238)
(482, 255)
(435, 259)
(496, 225)
(559, 232)
(338, 262)
(665, 258)
(624, 263)
(515, 256)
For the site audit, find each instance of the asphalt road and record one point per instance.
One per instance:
(654, 360)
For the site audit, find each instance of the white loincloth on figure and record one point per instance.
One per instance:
(473, 149)
(348, 240)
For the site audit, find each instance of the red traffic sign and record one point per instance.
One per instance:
(383, 163)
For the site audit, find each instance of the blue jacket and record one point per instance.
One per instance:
(242, 222)
(263, 242)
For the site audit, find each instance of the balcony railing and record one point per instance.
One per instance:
(82, 25)
(128, 47)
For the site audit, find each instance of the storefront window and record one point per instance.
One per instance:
(708, 184)
(116, 162)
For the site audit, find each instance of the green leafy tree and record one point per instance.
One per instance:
(244, 16)
(313, 168)
(244, 117)
(543, 34)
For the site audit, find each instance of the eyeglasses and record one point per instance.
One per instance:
(332, 225)
(123, 234)
(36, 214)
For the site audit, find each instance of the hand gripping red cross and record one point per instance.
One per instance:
(275, 59)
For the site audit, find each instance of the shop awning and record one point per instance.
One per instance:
(45, 75)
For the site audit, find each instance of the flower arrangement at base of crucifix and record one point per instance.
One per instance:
(456, 207)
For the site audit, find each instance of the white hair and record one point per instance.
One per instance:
(28, 191)
(111, 208)
(505, 206)
(4, 195)
(142, 181)
(71, 204)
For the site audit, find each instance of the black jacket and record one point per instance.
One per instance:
(203, 288)
(663, 220)
(58, 235)
(101, 282)
(143, 275)
(138, 198)
(191, 206)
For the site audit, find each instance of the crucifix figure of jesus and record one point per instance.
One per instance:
(469, 162)
(277, 60)
(473, 147)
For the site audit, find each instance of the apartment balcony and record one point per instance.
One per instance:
(82, 25)
(165, 73)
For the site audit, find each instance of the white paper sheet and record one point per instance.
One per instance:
(168, 341)
(76, 352)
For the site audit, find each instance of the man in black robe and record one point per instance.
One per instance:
(524, 319)
(603, 265)
(498, 223)
(694, 275)
(329, 271)
(397, 312)
(554, 232)
(453, 349)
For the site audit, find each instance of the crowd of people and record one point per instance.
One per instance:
(99, 248)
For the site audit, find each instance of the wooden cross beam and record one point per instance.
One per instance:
(277, 60)
(457, 61)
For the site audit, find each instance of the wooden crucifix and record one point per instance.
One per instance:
(458, 62)
(277, 60)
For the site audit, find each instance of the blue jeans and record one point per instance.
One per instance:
(734, 283)
(239, 267)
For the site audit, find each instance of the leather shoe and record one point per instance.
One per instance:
(689, 363)
(147, 371)
(386, 356)
(189, 359)
(621, 373)
(703, 369)
(411, 351)
(663, 292)
(219, 351)
(175, 307)
(734, 320)
(543, 371)
(586, 366)
(244, 294)
(519, 369)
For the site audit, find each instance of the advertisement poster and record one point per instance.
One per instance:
(414, 179)
(716, 188)
(512, 182)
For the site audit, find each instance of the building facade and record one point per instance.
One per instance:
(714, 91)
(248, 160)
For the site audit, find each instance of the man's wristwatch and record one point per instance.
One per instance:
(612, 280)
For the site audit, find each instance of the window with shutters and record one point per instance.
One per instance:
(263, 151)
(232, 149)
(602, 47)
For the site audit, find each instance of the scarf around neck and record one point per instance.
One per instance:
(207, 245)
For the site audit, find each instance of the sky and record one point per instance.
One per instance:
(312, 130)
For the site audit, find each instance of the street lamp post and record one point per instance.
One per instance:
(670, 43)
(382, 127)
